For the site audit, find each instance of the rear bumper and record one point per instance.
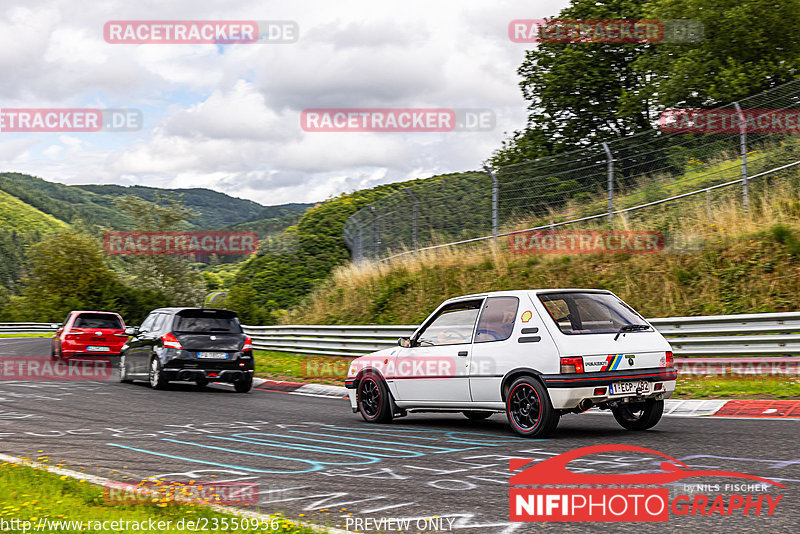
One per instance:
(566, 391)
(580, 380)
(230, 370)
(84, 354)
(210, 375)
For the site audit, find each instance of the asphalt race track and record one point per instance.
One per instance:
(312, 456)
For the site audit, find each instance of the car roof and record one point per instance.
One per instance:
(175, 310)
(518, 292)
(76, 312)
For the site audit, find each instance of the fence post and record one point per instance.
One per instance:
(743, 152)
(495, 199)
(414, 198)
(377, 231)
(610, 184)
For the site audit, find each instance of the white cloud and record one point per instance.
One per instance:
(228, 118)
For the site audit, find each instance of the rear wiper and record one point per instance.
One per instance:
(631, 328)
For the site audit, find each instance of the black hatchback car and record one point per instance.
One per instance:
(198, 345)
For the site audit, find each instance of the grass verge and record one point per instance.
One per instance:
(28, 494)
(755, 387)
(329, 370)
(300, 368)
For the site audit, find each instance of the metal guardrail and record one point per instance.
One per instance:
(760, 334)
(716, 341)
(26, 328)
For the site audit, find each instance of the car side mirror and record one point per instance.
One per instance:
(404, 342)
(132, 331)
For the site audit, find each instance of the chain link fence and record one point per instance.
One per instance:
(607, 185)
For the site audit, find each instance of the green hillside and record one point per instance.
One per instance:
(311, 249)
(94, 204)
(16, 215)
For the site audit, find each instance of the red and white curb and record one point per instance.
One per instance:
(300, 388)
(737, 408)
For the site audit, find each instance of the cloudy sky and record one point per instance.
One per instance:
(227, 117)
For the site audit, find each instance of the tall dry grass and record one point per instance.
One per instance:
(697, 273)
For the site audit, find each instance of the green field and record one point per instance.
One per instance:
(28, 494)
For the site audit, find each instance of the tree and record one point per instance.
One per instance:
(749, 46)
(583, 93)
(171, 275)
(575, 90)
(69, 272)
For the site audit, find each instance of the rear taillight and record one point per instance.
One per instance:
(669, 361)
(248, 343)
(573, 364)
(171, 342)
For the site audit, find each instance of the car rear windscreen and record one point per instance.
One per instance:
(97, 320)
(199, 321)
(589, 313)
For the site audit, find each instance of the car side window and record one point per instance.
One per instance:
(453, 325)
(158, 323)
(148, 323)
(497, 319)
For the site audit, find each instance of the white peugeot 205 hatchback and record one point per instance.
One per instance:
(533, 354)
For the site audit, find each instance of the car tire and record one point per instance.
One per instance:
(374, 401)
(244, 385)
(476, 415)
(156, 375)
(53, 351)
(643, 415)
(123, 371)
(528, 408)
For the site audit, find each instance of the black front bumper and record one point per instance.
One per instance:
(604, 378)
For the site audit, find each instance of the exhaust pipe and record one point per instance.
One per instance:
(584, 405)
(185, 375)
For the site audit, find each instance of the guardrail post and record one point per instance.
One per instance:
(610, 184)
(377, 231)
(414, 198)
(743, 152)
(495, 201)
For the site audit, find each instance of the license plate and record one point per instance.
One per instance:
(212, 355)
(94, 348)
(627, 388)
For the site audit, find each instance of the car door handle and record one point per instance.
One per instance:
(463, 353)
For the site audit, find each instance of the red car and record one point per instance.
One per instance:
(89, 333)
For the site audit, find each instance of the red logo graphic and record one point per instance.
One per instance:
(623, 502)
(178, 243)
